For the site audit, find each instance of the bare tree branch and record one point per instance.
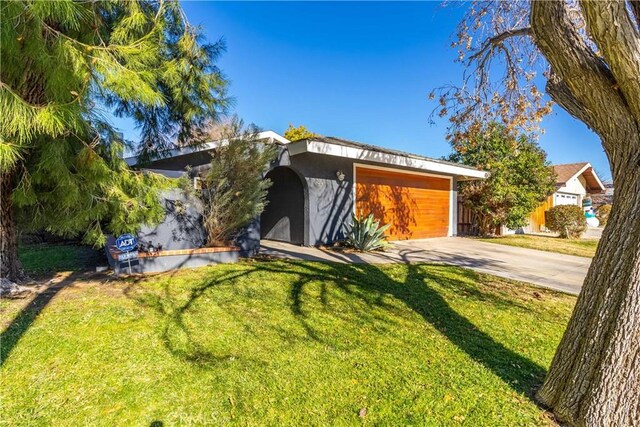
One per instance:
(586, 75)
(498, 39)
(494, 36)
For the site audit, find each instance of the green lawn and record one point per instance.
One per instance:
(45, 258)
(584, 248)
(281, 343)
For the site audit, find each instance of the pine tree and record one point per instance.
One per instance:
(64, 65)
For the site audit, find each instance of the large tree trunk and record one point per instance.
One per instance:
(9, 264)
(594, 378)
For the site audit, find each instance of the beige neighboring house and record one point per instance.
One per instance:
(574, 183)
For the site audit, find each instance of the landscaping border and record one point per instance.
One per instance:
(156, 262)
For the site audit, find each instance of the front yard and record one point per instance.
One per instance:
(582, 247)
(281, 343)
(41, 259)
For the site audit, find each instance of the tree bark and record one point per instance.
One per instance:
(9, 265)
(594, 378)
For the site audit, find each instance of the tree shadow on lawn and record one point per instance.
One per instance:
(25, 318)
(370, 284)
(417, 293)
(176, 335)
(12, 334)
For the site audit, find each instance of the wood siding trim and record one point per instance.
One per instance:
(114, 252)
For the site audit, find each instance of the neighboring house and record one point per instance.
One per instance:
(574, 183)
(605, 198)
(318, 183)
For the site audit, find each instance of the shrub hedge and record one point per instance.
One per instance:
(567, 220)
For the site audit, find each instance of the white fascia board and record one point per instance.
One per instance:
(595, 175)
(274, 136)
(593, 172)
(176, 152)
(318, 147)
(580, 172)
(269, 134)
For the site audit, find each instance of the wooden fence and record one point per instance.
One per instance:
(468, 224)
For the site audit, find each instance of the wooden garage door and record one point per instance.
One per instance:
(416, 206)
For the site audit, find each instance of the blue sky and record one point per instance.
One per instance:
(355, 70)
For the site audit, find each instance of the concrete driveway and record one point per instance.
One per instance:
(547, 269)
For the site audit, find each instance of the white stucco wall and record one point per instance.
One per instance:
(572, 193)
(575, 186)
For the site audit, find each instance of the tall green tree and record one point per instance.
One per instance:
(234, 191)
(585, 56)
(64, 65)
(520, 177)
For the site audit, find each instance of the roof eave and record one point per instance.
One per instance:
(269, 135)
(325, 148)
(600, 186)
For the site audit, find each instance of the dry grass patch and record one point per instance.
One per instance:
(583, 248)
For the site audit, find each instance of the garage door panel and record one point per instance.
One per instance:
(374, 176)
(415, 206)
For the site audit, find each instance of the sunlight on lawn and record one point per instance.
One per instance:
(577, 247)
(266, 342)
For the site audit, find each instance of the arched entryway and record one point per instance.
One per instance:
(283, 217)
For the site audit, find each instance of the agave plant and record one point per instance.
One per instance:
(366, 234)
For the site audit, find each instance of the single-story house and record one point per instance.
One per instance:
(574, 183)
(319, 182)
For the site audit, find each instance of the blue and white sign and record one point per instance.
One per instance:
(127, 256)
(126, 243)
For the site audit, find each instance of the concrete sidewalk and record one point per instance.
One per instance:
(547, 269)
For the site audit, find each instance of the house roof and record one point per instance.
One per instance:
(356, 150)
(268, 135)
(566, 172)
(337, 147)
